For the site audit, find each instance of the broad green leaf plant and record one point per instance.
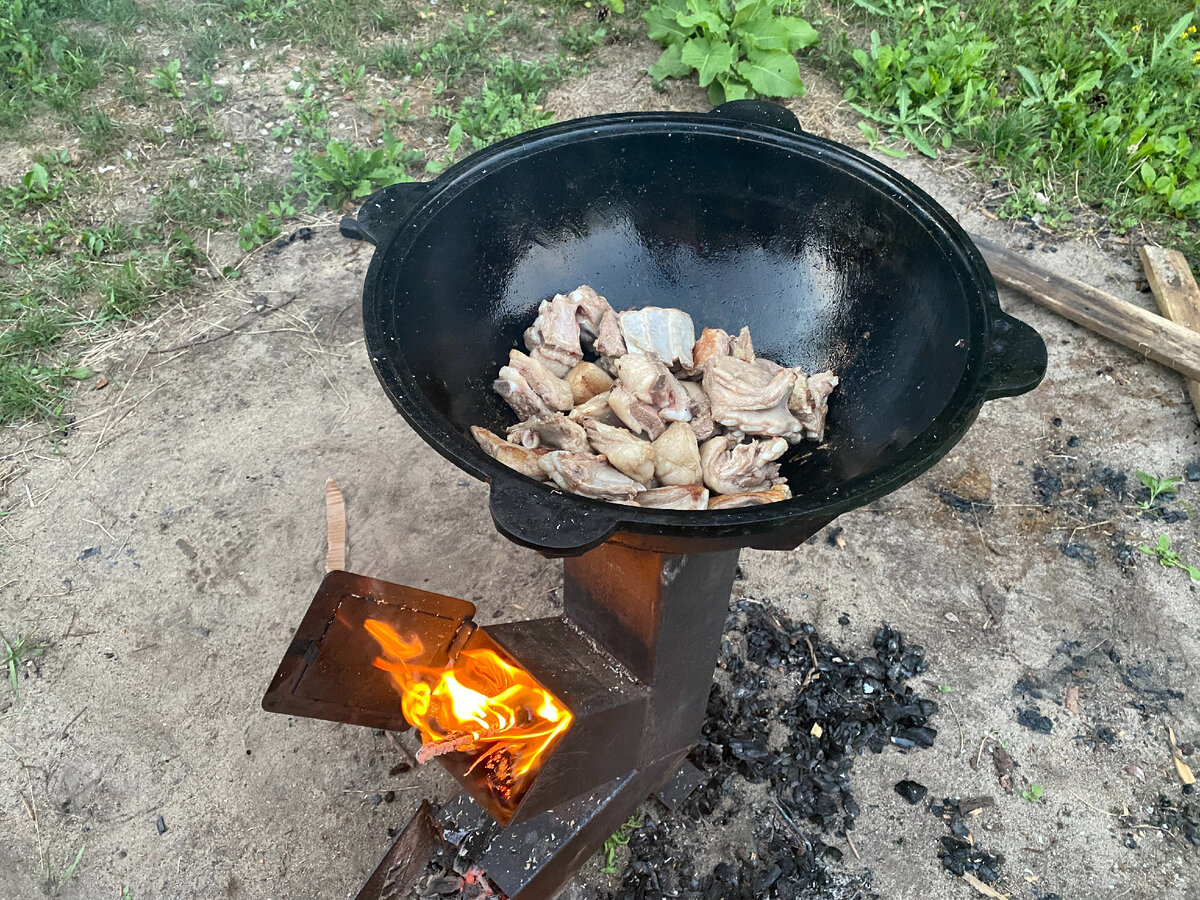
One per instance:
(739, 50)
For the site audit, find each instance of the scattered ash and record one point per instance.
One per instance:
(1145, 679)
(450, 875)
(1060, 481)
(960, 852)
(1177, 820)
(1180, 821)
(781, 734)
(1080, 495)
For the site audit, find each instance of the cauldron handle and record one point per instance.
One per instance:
(553, 523)
(381, 214)
(758, 112)
(1016, 358)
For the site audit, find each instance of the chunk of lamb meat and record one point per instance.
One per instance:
(553, 338)
(586, 381)
(638, 417)
(590, 310)
(702, 423)
(595, 408)
(730, 467)
(809, 401)
(555, 432)
(677, 456)
(610, 342)
(589, 476)
(530, 388)
(751, 397)
(742, 346)
(712, 342)
(650, 381)
(752, 498)
(667, 334)
(681, 496)
(626, 453)
(515, 457)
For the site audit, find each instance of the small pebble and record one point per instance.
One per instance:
(160, 825)
(389, 796)
(377, 799)
(1192, 471)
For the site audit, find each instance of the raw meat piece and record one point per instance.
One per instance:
(555, 432)
(590, 309)
(702, 423)
(743, 347)
(651, 382)
(665, 333)
(588, 476)
(609, 340)
(587, 380)
(596, 408)
(683, 496)
(638, 417)
(553, 338)
(730, 467)
(530, 388)
(809, 400)
(677, 456)
(753, 498)
(626, 453)
(712, 342)
(750, 397)
(518, 458)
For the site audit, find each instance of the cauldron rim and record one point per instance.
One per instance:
(1005, 356)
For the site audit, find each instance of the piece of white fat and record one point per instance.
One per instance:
(666, 333)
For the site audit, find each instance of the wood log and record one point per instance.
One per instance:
(1177, 294)
(1155, 337)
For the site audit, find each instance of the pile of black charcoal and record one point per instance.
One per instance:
(792, 715)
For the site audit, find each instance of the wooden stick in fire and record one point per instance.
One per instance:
(452, 743)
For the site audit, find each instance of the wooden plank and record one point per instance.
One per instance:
(1153, 336)
(335, 526)
(1177, 294)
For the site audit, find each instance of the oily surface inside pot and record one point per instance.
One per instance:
(828, 269)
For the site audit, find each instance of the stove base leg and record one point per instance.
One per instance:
(537, 859)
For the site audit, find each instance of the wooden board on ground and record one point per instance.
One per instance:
(1157, 338)
(1177, 294)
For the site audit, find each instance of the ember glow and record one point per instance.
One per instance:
(481, 704)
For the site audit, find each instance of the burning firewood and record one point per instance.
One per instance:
(450, 744)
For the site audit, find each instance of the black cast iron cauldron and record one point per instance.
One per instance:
(737, 217)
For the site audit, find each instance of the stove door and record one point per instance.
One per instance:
(329, 669)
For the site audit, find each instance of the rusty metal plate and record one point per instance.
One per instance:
(329, 669)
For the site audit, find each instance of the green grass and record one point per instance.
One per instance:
(13, 654)
(1081, 105)
(47, 64)
(346, 172)
(66, 277)
(213, 194)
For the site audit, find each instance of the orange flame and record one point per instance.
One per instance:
(499, 709)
